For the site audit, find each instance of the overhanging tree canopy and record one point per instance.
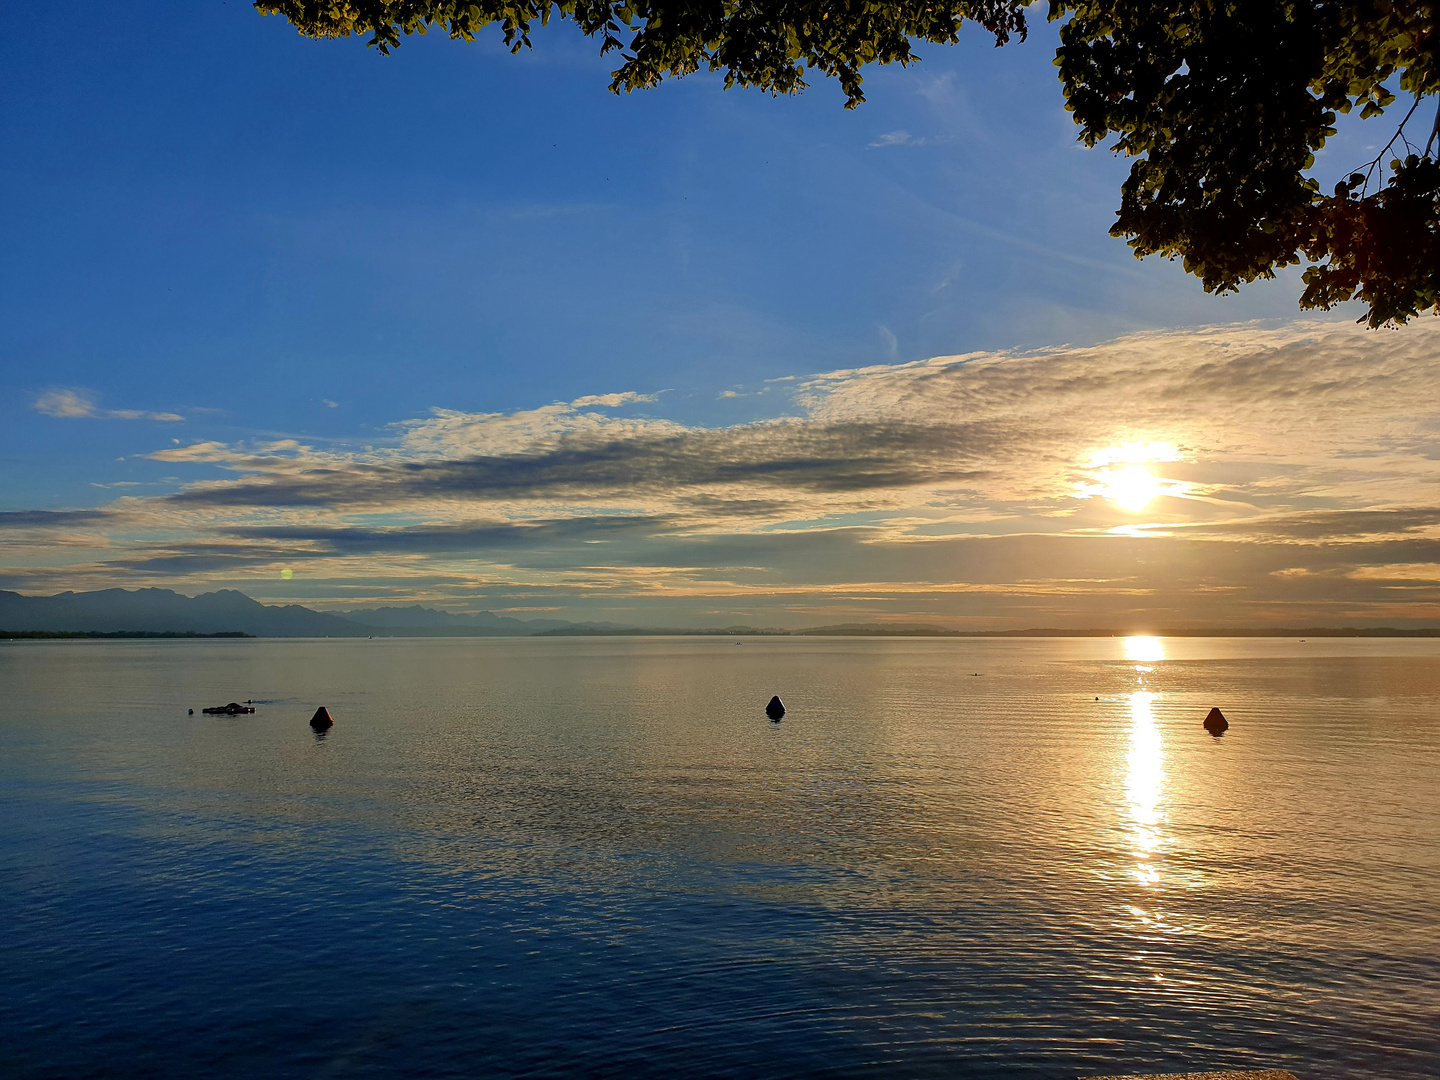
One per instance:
(1222, 103)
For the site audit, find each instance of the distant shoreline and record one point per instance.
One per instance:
(47, 635)
(163, 613)
(936, 632)
(743, 632)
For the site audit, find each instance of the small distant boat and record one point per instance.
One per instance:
(233, 709)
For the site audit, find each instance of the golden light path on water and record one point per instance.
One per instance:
(1145, 763)
(1145, 785)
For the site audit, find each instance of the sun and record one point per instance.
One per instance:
(1131, 488)
(1121, 473)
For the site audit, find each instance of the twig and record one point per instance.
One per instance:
(1379, 158)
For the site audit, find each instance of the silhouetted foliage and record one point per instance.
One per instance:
(1223, 104)
(767, 44)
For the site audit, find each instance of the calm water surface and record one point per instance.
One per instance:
(576, 857)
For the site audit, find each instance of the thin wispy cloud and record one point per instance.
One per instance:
(612, 401)
(48, 519)
(904, 138)
(82, 405)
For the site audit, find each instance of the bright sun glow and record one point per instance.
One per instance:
(1133, 453)
(1121, 474)
(1132, 487)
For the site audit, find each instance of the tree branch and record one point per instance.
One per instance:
(1378, 160)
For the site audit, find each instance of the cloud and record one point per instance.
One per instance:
(30, 519)
(79, 405)
(1295, 469)
(1249, 419)
(540, 534)
(67, 404)
(937, 89)
(612, 401)
(1320, 525)
(595, 462)
(904, 138)
(137, 414)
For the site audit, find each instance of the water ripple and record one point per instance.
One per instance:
(598, 858)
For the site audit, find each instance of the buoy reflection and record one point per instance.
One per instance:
(1145, 785)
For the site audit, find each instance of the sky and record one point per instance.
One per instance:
(463, 328)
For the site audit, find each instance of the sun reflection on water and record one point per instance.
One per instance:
(1145, 786)
(1144, 649)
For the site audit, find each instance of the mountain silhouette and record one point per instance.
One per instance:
(161, 610)
(228, 611)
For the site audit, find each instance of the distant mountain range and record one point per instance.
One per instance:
(162, 612)
(229, 611)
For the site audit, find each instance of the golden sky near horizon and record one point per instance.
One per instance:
(1235, 475)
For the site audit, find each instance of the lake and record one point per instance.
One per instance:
(598, 857)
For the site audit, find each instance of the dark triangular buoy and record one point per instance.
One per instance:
(776, 709)
(1215, 722)
(321, 720)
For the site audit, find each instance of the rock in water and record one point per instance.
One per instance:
(776, 708)
(1215, 722)
(321, 720)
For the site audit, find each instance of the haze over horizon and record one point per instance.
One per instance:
(275, 320)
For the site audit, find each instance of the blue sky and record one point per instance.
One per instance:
(219, 234)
